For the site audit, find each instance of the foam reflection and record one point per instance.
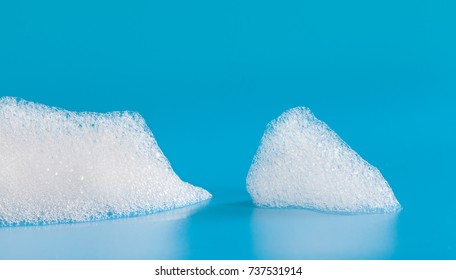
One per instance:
(302, 234)
(156, 236)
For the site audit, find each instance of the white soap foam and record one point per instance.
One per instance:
(62, 166)
(301, 162)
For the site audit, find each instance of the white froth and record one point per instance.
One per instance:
(301, 162)
(62, 166)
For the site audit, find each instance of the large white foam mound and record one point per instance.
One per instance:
(62, 166)
(301, 162)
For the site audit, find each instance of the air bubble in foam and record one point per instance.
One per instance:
(302, 163)
(62, 166)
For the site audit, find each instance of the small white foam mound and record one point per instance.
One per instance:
(62, 166)
(301, 162)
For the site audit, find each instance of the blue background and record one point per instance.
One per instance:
(209, 75)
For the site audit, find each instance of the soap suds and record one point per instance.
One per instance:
(302, 163)
(62, 166)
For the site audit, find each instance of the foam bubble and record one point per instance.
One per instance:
(301, 162)
(62, 166)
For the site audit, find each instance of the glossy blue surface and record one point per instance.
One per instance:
(209, 75)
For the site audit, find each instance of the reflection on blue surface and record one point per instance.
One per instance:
(224, 229)
(301, 234)
(157, 236)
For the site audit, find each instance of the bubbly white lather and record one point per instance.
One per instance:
(62, 166)
(302, 163)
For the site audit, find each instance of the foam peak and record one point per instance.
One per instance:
(301, 162)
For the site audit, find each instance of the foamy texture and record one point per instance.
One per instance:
(301, 162)
(62, 166)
